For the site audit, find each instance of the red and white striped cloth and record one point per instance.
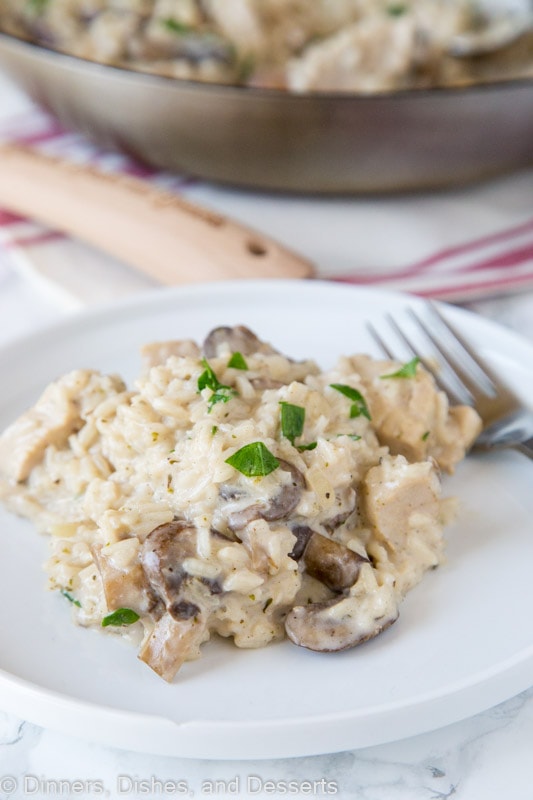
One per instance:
(480, 253)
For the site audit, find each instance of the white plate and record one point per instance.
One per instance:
(464, 640)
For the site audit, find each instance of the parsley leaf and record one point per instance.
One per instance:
(122, 616)
(407, 371)
(359, 407)
(397, 10)
(69, 597)
(209, 380)
(172, 25)
(237, 361)
(254, 460)
(292, 420)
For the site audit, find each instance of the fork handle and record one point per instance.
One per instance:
(514, 430)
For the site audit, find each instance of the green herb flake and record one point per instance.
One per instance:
(122, 616)
(37, 6)
(254, 460)
(353, 436)
(70, 598)
(209, 380)
(359, 407)
(397, 10)
(407, 371)
(267, 604)
(173, 25)
(303, 447)
(425, 436)
(292, 420)
(237, 361)
(214, 429)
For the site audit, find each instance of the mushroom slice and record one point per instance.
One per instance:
(342, 623)
(162, 555)
(281, 505)
(188, 600)
(171, 643)
(237, 339)
(332, 563)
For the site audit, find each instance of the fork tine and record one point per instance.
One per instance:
(380, 341)
(455, 390)
(476, 364)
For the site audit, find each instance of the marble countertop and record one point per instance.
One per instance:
(484, 757)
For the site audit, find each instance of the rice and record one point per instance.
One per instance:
(252, 502)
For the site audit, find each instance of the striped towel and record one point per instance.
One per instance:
(455, 246)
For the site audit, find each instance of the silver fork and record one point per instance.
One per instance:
(464, 376)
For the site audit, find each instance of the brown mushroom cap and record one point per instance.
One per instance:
(237, 339)
(280, 506)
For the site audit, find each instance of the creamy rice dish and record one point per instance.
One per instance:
(234, 491)
(299, 45)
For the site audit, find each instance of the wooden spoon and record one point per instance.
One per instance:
(158, 233)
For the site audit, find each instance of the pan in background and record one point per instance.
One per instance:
(267, 139)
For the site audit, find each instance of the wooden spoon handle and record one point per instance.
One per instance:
(170, 240)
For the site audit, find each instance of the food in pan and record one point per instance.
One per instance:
(234, 491)
(362, 46)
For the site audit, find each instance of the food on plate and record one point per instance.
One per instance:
(235, 491)
(300, 45)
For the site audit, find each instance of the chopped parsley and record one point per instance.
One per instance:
(208, 380)
(37, 6)
(292, 420)
(425, 436)
(407, 371)
(172, 25)
(254, 460)
(237, 361)
(69, 597)
(122, 616)
(359, 407)
(397, 10)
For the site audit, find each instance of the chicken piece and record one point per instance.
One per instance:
(51, 421)
(60, 411)
(412, 417)
(402, 507)
(171, 643)
(123, 578)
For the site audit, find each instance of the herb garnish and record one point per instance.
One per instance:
(38, 6)
(237, 361)
(254, 460)
(208, 380)
(122, 616)
(425, 436)
(397, 10)
(173, 25)
(69, 597)
(407, 371)
(359, 407)
(292, 425)
(292, 420)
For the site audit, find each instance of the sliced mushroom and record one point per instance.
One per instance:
(162, 555)
(281, 505)
(188, 600)
(332, 563)
(238, 339)
(342, 623)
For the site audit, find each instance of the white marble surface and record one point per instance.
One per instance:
(487, 757)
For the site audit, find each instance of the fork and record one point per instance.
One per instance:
(465, 377)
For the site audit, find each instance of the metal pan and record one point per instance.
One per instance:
(269, 139)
